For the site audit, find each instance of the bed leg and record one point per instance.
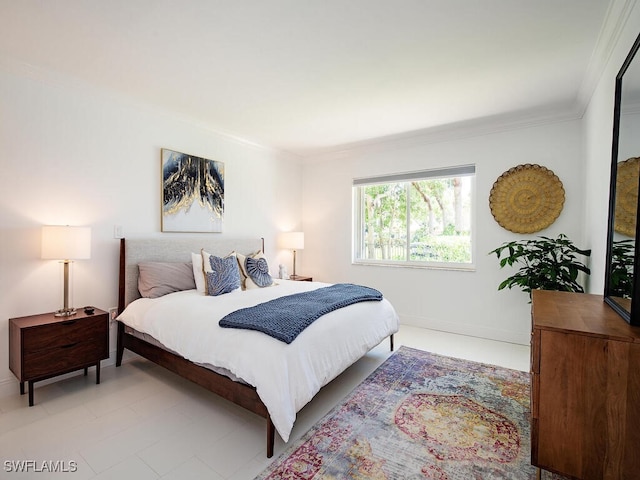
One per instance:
(120, 344)
(271, 437)
(391, 342)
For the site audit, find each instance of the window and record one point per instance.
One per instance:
(418, 218)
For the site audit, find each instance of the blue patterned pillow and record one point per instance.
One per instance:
(225, 277)
(258, 271)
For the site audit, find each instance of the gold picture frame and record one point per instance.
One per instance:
(626, 201)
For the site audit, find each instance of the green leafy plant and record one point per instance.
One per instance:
(621, 270)
(545, 263)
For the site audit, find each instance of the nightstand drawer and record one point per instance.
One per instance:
(60, 359)
(65, 332)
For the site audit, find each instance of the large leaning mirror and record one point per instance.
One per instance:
(622, 288)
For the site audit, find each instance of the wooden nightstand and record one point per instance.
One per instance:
(300, 278)
(44, 346)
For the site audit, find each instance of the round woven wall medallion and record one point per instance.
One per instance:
(527, 198)
(626, 197)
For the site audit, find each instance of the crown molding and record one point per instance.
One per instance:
(450, 132)
(612, 27)
(60, 80)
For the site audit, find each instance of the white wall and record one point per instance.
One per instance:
(455, 301)
(72, 155)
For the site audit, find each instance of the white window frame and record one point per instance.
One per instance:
(432, 174)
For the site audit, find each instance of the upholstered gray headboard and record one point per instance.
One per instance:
(170, 249)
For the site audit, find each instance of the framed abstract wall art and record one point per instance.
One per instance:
(192, 193)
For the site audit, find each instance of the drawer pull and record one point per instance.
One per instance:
(70, 345)
(68, 322)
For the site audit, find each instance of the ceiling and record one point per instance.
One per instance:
(309, 76)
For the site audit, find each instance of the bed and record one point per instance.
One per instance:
(271, 378)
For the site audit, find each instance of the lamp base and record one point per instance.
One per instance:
(65, 312)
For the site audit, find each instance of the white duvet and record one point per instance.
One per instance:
(286, 377)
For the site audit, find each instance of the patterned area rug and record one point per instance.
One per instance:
(420, 416)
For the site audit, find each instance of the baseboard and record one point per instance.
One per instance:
(523, 338)
(9, 386)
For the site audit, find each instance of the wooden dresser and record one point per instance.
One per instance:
(585, 388)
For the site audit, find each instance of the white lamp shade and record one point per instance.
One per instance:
(291, 240)
(65, 242)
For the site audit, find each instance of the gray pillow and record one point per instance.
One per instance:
(156, 279)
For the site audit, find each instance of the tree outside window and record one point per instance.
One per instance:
(425, 218)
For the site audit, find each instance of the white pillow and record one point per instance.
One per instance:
(198, 272)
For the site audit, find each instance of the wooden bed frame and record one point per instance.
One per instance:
(239, 393)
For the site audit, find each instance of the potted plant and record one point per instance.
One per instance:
(621, 270)
(545, 264)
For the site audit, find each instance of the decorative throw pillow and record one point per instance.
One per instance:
(206, 267)
(243, 270)
(247, 281)
(258, 270)
(224, 277)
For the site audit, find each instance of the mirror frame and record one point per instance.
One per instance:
(632, 315)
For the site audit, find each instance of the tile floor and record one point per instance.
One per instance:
(143, 422)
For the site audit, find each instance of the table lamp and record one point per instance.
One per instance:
(292, 241)
(66, 243)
